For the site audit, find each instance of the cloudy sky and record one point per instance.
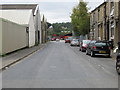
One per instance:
(56, 10)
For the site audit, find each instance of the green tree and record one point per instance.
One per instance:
(48, 24)
(80, 19)
(60, 28)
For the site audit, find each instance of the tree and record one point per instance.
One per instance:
(61, 28)
(80, 19)
(48, 24)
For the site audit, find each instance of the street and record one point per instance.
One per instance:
(58, 65)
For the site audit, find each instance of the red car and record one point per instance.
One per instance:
(53, 39)
(67, 40)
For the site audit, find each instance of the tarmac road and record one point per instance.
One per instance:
(58, 65)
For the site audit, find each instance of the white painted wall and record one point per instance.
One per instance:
(13, 37)
(39, 25)
(25, 18)
(18, 16)
(31, 31)
(22, 17)
(0, 36)
(37, 21)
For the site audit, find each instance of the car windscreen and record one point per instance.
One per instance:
(70, 38)
(101, 44)
(75, 40)
(86, 41)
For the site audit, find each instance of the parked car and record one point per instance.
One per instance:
(68, 40)
(74, 42)
(57, 39)
(53, 39)
(118, 60)
(84, 44)
(98, 48)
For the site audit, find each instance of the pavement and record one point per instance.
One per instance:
(14, 57)
(58, 65)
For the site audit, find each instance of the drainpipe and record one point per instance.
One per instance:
(119, 21)
(27, 31)
(105, 24)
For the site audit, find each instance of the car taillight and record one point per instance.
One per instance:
(83, 47)
(94, 47)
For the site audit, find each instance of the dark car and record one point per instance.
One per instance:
(98, 48)
(118, 60)
(84, 44)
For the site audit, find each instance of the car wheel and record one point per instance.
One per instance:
(92, 54)
(109, 56)
(86, 52)
(81, 50)
(118, 67)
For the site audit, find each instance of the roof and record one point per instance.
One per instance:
(17, 16)
(18, 6)
(2, 19)
(98, 6)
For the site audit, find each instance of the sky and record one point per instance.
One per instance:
(56, 10)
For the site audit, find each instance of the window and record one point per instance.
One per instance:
(112, 32)
(111, 9)
(112, 28)
(112, 5)
(98, 14)
(101, 44)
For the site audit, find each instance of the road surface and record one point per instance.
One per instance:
(58, 65)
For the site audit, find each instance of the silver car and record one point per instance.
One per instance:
(74, 42)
